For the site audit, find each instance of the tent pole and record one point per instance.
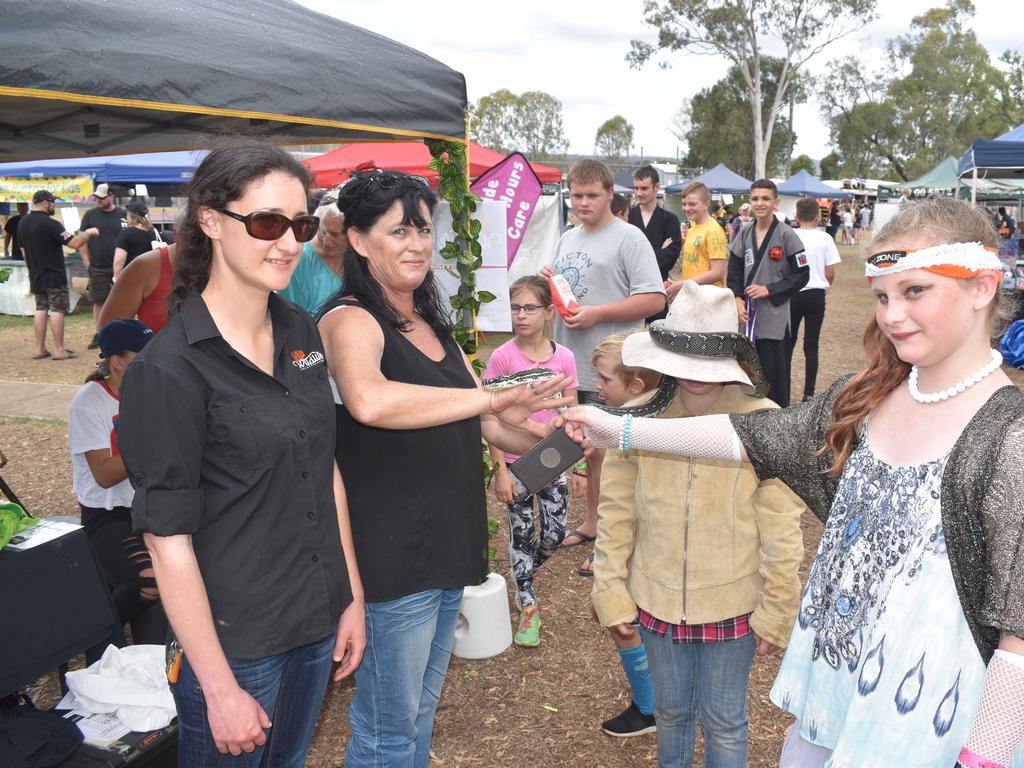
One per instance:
(974, 186)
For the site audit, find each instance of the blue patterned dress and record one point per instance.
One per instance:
(881, 667)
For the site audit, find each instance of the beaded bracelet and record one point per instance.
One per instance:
(971, 759)
(627, 425)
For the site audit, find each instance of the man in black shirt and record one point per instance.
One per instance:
(99, 257)
(12, 248)
(42, 240)
(660, 226)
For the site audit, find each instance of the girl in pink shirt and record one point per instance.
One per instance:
(532, 316)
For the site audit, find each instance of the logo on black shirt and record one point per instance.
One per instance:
(304, 362)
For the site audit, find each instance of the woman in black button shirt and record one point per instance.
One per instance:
(409, 443)
(228, 438)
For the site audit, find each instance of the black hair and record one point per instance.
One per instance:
(223, 177)
(647, 172)
(765, 184)
(363, 200)
(619, 204)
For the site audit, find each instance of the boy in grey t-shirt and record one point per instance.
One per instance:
(614, 274)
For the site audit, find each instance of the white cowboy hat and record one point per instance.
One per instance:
(697, 320)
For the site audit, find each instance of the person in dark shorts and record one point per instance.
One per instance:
(98, 258)
(43, 239)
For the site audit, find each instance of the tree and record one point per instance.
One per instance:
(938, 92)
(530, 123)
(614, 138)
(829, 166)
(1011, 98)
(493, 120)
(719, 130)
(539, 125)
(802, 163)
(741, 31)
(681, 122)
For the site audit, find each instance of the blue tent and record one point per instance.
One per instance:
(1016, 134)
(151, 168)
(802, 184)
(718, 180)
(1001, 158)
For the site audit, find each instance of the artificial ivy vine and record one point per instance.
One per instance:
(465, 256)
(464, 253)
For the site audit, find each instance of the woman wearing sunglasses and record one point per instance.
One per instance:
(227, 431)
(409, 442)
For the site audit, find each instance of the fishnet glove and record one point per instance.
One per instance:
(698, 437)
(999, 722)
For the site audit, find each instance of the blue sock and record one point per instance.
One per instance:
(634, 662)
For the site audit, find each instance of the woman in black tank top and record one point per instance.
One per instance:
(411, 418)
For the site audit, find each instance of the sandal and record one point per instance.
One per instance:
(69, 356)
(581, 538)
(587, 567)
(42, 356)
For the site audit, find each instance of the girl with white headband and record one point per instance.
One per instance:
(907, 648)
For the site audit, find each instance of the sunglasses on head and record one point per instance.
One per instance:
(387, 179)
(266, 225)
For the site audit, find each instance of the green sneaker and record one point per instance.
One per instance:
(528, 634)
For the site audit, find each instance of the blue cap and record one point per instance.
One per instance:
(125, 334)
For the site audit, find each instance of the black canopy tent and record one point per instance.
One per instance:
(83, 77)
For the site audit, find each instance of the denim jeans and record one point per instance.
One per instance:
(289, 686)
(705, 680)
(408, 645)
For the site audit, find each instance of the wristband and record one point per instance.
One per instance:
(580, 465)
(969, 759)
(627, 424)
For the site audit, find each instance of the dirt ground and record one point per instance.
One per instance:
(527, 707)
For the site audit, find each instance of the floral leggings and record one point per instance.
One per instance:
(528, 552)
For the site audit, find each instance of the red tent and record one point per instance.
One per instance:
(333, 167)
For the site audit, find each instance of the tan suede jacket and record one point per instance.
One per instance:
(697, 541)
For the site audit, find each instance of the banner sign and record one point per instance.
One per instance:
(493, 273)
(68, 189)
(513, 183)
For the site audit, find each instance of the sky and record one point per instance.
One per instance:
(576, 52)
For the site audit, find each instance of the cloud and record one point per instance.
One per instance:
(576, 51)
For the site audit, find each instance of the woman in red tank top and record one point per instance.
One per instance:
(141, 290)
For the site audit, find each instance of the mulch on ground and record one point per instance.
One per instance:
(537, 707)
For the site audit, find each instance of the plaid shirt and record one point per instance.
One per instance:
(713, 632)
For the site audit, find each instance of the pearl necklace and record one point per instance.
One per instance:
(956, 389)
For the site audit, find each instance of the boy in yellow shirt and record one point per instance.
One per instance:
(705, 250)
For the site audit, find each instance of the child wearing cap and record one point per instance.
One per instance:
(701, 552)
(101, 485)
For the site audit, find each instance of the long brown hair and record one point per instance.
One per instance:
(928, 222)
(223, 177)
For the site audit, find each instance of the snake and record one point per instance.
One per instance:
(663, 396)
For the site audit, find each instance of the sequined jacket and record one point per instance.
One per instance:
(982, 496)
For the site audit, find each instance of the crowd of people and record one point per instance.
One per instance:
(316, 497)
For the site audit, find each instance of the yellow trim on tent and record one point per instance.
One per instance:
(36, 93)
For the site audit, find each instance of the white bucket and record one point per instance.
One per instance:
(484, 628)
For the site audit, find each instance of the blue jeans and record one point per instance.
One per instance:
(289, 686)
(705, 680)
(408, 645)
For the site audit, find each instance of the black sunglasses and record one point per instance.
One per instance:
(265, 225)
(388, 179)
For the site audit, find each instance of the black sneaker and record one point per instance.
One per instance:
(632, 722)
(95, 343)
